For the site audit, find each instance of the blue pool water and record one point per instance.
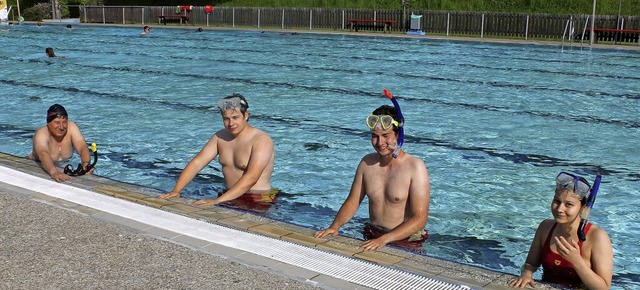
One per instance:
(493, 122)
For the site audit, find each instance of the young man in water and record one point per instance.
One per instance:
(245, 153)
(54, 143)
(397, 185)
(49, 52)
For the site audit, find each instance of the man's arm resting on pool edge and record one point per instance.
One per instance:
(349, 207)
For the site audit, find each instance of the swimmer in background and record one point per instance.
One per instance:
(49, 52)
(396, 183)
(199, 29)
(146, 30)
(54, 143)
(556, 245)
(246, 154)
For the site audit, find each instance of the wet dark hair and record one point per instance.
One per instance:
(387, 110)
(49, 52)
(55, 111)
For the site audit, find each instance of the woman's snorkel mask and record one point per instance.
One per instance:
(400, 124)
(68, 170)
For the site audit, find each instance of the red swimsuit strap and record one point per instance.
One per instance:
(547, 242)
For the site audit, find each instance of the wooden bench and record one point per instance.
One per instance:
(356, 23)
(162, 19)
(612, 34)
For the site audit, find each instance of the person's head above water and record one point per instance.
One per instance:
(384, 117)
(56, 111)
(49, 52)
(579, 186)
(233, 102)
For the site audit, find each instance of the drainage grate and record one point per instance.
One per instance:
(346, 268)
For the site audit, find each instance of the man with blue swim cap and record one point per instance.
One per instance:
(396, 183)
(55, 143)
(245, 153)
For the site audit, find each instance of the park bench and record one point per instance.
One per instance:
(162, 19)
(356, 24)
(612, 34)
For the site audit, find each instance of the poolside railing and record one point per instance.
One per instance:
(482, 24)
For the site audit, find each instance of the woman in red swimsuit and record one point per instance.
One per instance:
(556, 246)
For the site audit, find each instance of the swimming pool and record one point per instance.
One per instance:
(494, 122)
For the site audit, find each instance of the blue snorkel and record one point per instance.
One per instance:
(587, 211)
(400, 120)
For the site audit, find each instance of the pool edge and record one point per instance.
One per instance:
(442, 270)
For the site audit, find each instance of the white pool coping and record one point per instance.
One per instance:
(349, 269)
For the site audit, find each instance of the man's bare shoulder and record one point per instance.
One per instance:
(371, 158)
(41, 132)
(415, 161)
(261, 137)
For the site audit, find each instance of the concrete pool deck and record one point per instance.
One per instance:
(52, 242)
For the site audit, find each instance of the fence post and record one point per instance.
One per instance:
(233, 17)
(123, 15)
(85, 13)
(310, 19)
(142, 15)
(282, 18)
(258, 18)
(448, 21)
(343, 14)
(526, 29)
(482, 27)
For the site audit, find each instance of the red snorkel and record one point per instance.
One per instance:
(400, 120)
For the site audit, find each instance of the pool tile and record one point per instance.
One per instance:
(307, 240)
(342, 248)
(378, 257)
(210, 215)
(420, 268)
(242, 222)
(180, 208)
(109, 190)
(130, 196)
(270, 230)
(155, 202)
(293, 228)
(474, 277)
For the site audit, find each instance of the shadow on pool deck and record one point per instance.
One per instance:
(430, 267)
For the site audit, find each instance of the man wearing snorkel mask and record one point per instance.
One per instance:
(245, 153)
(397, 185)
(54, 143)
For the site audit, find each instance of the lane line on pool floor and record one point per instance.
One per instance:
(346, 268)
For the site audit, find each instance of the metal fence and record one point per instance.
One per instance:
(507, 25)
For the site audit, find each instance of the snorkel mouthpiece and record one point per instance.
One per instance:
(388, 94)
(584, 216)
